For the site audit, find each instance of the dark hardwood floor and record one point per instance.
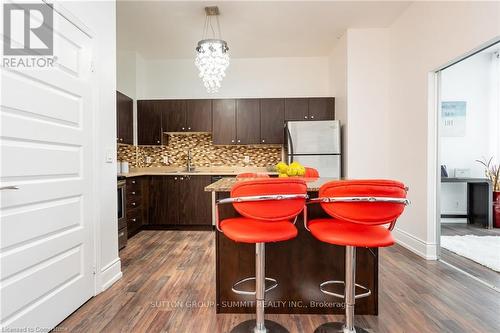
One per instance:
(168, 285)
(481, 272)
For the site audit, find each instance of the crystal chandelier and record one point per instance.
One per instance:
(212, 57)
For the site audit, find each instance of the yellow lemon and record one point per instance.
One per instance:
(282, 175)
(281, 167)
(292, 171)
(302, 171)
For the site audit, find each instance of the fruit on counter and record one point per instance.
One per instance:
(282, 175)
(281, 167)
(292, 170)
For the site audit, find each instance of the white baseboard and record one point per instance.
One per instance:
(454, 220)
(110, 274)
(426, 250)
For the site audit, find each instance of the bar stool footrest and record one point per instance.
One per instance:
(274, 284)
(331, 293)
(337, 327)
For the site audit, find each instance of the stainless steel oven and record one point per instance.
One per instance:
(122, 214)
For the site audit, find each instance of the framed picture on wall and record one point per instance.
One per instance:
(453, 115)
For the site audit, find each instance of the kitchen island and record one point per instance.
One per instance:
(299, 265)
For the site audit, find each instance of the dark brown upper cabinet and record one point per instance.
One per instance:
(322, 108)
(124, 119)
(247, 121)
(148, 123)
(296, 109)
(186, 115)
(173, 115)
(199, 115)
(224, 121)
(272, 120)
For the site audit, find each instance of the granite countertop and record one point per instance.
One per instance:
(225, 184)
(200, 171)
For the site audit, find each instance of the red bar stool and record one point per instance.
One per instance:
(364, 213)
(311, 173)
(268, 207)
(252, 175)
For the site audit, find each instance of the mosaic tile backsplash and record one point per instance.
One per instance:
(203, 152)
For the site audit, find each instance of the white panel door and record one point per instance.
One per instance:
(46, 249)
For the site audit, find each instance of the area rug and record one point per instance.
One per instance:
(484, 250)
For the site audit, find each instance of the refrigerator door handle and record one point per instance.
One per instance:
(290, 143)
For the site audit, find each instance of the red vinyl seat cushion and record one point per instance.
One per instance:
(248, 230)
(350, 234)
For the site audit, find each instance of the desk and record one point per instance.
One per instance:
(479, 200)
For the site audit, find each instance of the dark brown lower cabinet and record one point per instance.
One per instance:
(179, 200)
(195, 204)
(137, 203)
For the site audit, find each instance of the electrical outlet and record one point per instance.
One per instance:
(165, 159)
(246, 159)
(149, 159)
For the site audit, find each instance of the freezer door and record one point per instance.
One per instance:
(314, 137)
(327, 165)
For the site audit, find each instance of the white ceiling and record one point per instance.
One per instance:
(166, 29)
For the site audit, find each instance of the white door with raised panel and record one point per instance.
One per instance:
(47, 249)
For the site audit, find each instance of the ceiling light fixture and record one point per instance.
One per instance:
(212, 57)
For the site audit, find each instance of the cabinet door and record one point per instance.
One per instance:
(173, 115)
(124, 118)
(224, 121)
(322, 108)
(272, 119)
(199, 115)
(195, 204)
(296, 109)
(247, 121)
(158, 199)
(172, 203)
(148, 123)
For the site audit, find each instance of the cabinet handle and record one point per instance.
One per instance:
(232, 141)
(305, 117)
(133, 220)
(121, 234)
(133, 182)
(121, 139)
(189, 128)
(182, 178)
(133, 192)
(133, 204)
(312, 117)
(183, 128)
(158, 141)
(239, 141)
(263, 141)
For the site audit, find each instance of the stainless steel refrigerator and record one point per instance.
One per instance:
(315, 144)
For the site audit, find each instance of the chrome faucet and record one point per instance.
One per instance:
(189, 167)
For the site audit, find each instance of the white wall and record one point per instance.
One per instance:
(426, 36)
(252, 77)
(469, 81)
(100, 17)
(338, 86)
(367, 100)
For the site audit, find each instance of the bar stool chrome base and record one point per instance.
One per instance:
(338, 327)
(249, 326)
